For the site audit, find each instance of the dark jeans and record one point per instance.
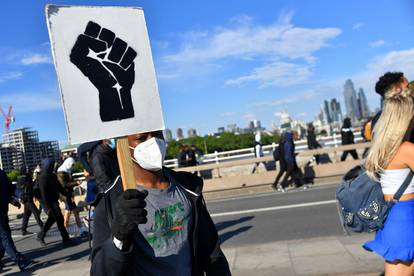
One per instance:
(7, 244)
(353, 153)
(54, 215)
(292, 171)
(29, 208)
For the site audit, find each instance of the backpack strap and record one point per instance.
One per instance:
(404, 186)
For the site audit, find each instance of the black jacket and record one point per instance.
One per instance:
(49, 185)
(312, 142)
(83, 151)
(6, 192)
(208, 259)
(347, 136)
(104, 166)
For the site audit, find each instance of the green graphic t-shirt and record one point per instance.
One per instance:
(164, 240)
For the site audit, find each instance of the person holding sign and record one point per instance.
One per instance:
(160, 228)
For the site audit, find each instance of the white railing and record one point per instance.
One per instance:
(231, 155)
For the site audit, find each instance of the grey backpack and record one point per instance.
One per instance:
(361, 203)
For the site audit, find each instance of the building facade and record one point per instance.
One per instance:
(21, 149)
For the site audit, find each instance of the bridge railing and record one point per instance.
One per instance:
(332, 168)
(233, 155)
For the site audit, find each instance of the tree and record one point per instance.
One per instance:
(225, 142)
(13, 175)
(77, 167)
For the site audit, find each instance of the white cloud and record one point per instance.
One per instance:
(308, 95)
(287, 52)
(358, 25)
(250, 116)
(276, 74)
(402, 61)
(31, 59)
(246, 40)
(10, 76)
(32, 101)
(377, 43)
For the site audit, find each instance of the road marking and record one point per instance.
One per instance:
(272, 193)
(316, 203)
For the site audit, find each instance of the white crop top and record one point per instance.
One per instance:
(391, 180)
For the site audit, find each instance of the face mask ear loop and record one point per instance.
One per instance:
(132, 158)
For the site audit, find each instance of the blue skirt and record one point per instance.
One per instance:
(395, 241)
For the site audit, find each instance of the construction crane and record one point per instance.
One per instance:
(7, 117)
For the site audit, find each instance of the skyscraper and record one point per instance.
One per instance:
(351, 101)
(167, 135)
(180, 134)
(327, 117)
(363, 104)
(191, 133)
(336, 113)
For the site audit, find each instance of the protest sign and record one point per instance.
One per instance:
(106, 75)
(105, 71)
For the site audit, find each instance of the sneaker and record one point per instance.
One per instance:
(41, 240)
(24, 233)
(23, 263)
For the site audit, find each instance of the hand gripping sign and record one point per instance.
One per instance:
(106, 75)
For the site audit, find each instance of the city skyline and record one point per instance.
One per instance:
(223, 63)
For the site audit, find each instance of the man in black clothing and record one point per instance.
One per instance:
(29, 206)
(50, 189)
(347, 136)
(312, 142)
(162, 227)
(182, 156)
(6, 241)
(104, 164)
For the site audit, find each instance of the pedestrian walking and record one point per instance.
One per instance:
(50, 188)
(64, 174)
(390, 159)
(258, 151)
(160, 228)
(347, 136)
(29, 208)
(6, 241)
(288, 165)
(312, 142)
(182, 156)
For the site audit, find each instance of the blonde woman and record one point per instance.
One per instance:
(391, 159)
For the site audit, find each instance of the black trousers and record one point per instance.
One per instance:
(290, 170)
(353, 153)
(29, 209)
(54, 215)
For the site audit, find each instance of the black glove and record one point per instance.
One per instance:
(129, 212)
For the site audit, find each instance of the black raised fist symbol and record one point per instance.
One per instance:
(108, 63)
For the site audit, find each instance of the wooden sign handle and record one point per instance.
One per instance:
(125, 163)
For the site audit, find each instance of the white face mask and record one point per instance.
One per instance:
(150, 154)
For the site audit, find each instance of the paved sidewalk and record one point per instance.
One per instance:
(338, 255)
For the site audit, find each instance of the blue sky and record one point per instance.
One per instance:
(223, 62)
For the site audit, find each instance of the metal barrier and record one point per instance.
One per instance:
(218, 157)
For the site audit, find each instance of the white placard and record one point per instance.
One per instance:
(105, 71)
